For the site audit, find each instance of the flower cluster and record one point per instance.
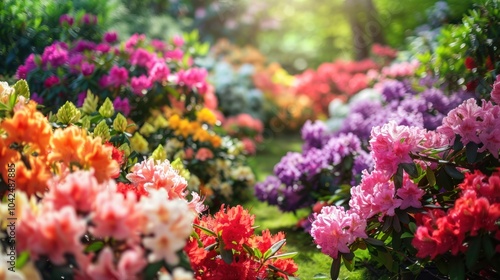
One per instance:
(216, 165)
(73, 217)
(326, 163)
(245, 128)
(436, 187)
(225, 246)
(137, 75)
(474, 213)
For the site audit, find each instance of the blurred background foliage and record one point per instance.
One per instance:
(298, 34)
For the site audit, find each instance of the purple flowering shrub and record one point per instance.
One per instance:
(137, 75)
(326, 163)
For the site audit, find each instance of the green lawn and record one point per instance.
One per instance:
(310, 260)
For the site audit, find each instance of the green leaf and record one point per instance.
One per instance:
(335, 269)
(457, 271)
(22, 259)
(488, 247)
(274, 248)
(22, 88)
(457, 145)
(320, 276)
(374, 242)
(453, 172)
(285, 255)
(398, 177)
(431, 177)
(472, 253)
(151, 271)
(410, 168)
(226, 255)
(94, 247)
(406, 235)
(413, 227)
(471, 152)
(205, 230)
(211, 246)
(396, 224)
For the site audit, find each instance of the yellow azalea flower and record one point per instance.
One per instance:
(174, 121)
(183, 129)
(206, 116)
(201, 135)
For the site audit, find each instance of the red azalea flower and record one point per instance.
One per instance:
(236, 226)
(116, 154)
(124, 188)
(470, 63)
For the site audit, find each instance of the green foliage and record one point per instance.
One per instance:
(27, 26)
(467, 54)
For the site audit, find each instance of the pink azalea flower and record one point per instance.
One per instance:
(131, 263)
(204, 154)
(141, 57)
(115, 216)
(159, 71)
(178, 41)
(54, 55)
(52, 233)
(104, 267)
(175, 55)
(110, 37)
(77, 190)
(391, 145)
(89, 19)
(103, 48)
(51, 81)
(495, 93)
(133, 41)
(87, 69)
(374, 195)
(122, 105)
(66, 19)
(154, 175)
(118, 76)
(140, 85)
(334, 230)
(410, 193)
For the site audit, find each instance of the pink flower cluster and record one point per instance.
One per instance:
(248, 129)
(155, 226)
(334, 229)
(476, 211)
(138, 69)
(476, 124)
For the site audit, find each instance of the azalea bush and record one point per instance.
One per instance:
(155, 85)
(225, 246)
(85, 208)
(29, 26)
(287, 109)
(335, 152)
(466, 55)
(138, 75)
(429, 201)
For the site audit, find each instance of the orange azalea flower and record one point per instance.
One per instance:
(34, 179)
(73, 145)
(216, 141)
(66, 144)
(96, 155)
(28, 127)
(6, 156)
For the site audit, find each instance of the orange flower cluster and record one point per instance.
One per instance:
(27, 140)
(195, 129)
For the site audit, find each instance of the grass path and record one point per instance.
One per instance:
(310, 260)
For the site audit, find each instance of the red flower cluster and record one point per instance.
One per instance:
(233, 227)
(477, 210)
(331, 80)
